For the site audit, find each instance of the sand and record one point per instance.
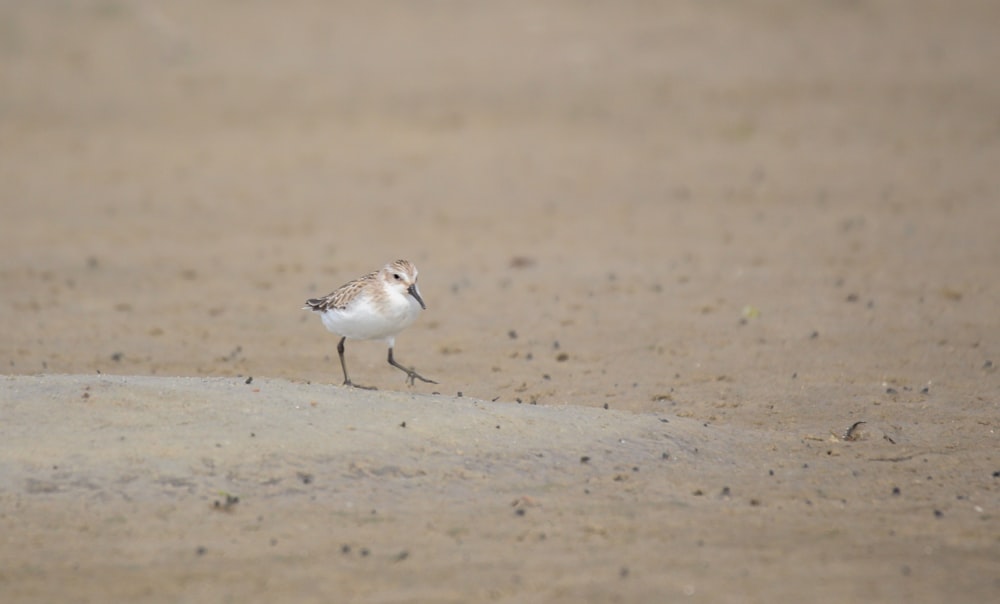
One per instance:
(671, 252)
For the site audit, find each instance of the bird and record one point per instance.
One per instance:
(377, 306)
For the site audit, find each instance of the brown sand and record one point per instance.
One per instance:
(740, 226)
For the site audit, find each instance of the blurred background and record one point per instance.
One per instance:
(705, 207)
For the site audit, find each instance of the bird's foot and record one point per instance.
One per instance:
(351, 384)
(412, 377)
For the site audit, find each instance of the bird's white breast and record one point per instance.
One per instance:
(373, 317)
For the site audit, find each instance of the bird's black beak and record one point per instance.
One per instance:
(413, 292)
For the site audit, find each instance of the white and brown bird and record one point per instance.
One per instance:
(375, 307)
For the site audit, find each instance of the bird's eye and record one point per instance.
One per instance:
(396, 276)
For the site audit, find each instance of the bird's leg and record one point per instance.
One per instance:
(343, 365)
(411, 375)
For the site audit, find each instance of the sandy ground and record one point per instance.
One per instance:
(671, 253)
